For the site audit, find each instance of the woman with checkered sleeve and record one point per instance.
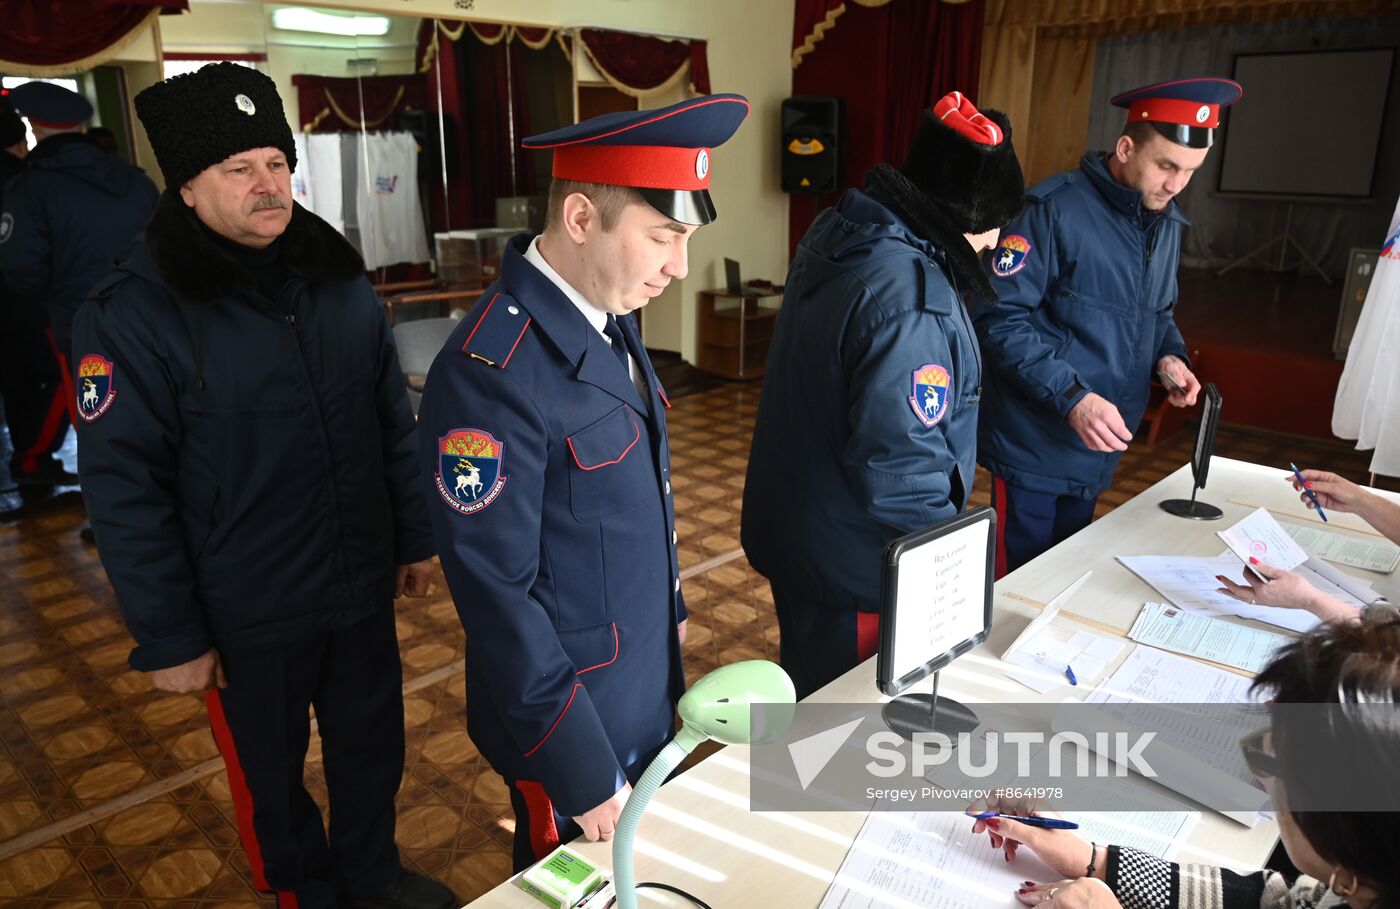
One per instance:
(1344, 742)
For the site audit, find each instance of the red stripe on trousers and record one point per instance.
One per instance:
(999, 505)
(242, 797)
(53, 422)
(544, 834)
(67, 373)
(867, 635)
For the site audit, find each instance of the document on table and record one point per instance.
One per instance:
(1190, 582)
(1159, 832)
(1372, 554)
(928, 860)
(1261, 537)
(1198, 756)
(1044, 652)
(1173, 628)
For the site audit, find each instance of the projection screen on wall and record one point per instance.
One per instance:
(1309, 123)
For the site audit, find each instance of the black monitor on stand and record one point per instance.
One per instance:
(1200, 463)
(936, 605)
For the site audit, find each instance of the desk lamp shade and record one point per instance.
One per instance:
(716, 707)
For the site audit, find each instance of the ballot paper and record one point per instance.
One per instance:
(1197, 756)
(1261, 537)
(1372, 554)
(1173, 628)
(928, 860)
(1190, 582)
(1160, 833)
(1044, 652)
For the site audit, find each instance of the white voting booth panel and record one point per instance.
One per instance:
(699, 834)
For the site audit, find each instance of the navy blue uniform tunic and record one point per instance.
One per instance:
(551, 506)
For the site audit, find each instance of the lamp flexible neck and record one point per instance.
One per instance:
(660, 768)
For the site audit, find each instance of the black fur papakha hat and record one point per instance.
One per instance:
(963, 161)
(198, 119)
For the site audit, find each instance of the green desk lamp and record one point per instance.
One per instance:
(716, 707)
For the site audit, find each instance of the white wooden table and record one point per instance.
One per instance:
(698, 833)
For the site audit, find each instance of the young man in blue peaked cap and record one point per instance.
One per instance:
(1086, 289)
(543, 441)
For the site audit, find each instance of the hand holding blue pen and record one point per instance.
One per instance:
(1045, 823)
(1303, 485)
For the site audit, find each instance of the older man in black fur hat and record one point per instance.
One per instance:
(248, 463)
(867, 428)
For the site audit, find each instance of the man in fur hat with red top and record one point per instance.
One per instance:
(867, 429)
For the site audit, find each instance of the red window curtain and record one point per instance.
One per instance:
(58, 37)
(640, 65)
(887, 64)
(495, 115)
(332, 104)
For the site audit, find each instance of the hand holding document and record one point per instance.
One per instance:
(1190, 582)
(928, 860)
(1261, 538)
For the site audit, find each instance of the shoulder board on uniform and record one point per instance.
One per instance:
(1049, 186)
(499, 327)
(108, 285)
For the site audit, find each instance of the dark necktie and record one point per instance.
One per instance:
(619, 345)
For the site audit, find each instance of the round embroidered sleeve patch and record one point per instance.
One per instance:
(96, 389)
(470, 475)
(1010, 255)
(932, 384)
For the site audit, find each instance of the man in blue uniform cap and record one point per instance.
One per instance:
(543, 440)
(867, 429)
(1086, 290)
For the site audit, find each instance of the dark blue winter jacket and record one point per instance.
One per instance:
(1086, 286)
(66, 217)
(248, 464)
(867, 428)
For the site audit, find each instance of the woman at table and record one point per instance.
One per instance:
(1348, 858)
(1287, 588)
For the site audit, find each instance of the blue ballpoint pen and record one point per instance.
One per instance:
(1308, 492)
(1048, 823)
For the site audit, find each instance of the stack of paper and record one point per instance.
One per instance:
(1195, 756)
(1176, 629)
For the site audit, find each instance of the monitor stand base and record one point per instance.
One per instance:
(924, 713)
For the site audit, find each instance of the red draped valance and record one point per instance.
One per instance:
(331, 104)
(46, 38)
(434, 30)
(642, 66)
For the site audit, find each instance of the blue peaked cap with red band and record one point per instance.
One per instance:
(1186, 111)
(47, 104)
(663, 154)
